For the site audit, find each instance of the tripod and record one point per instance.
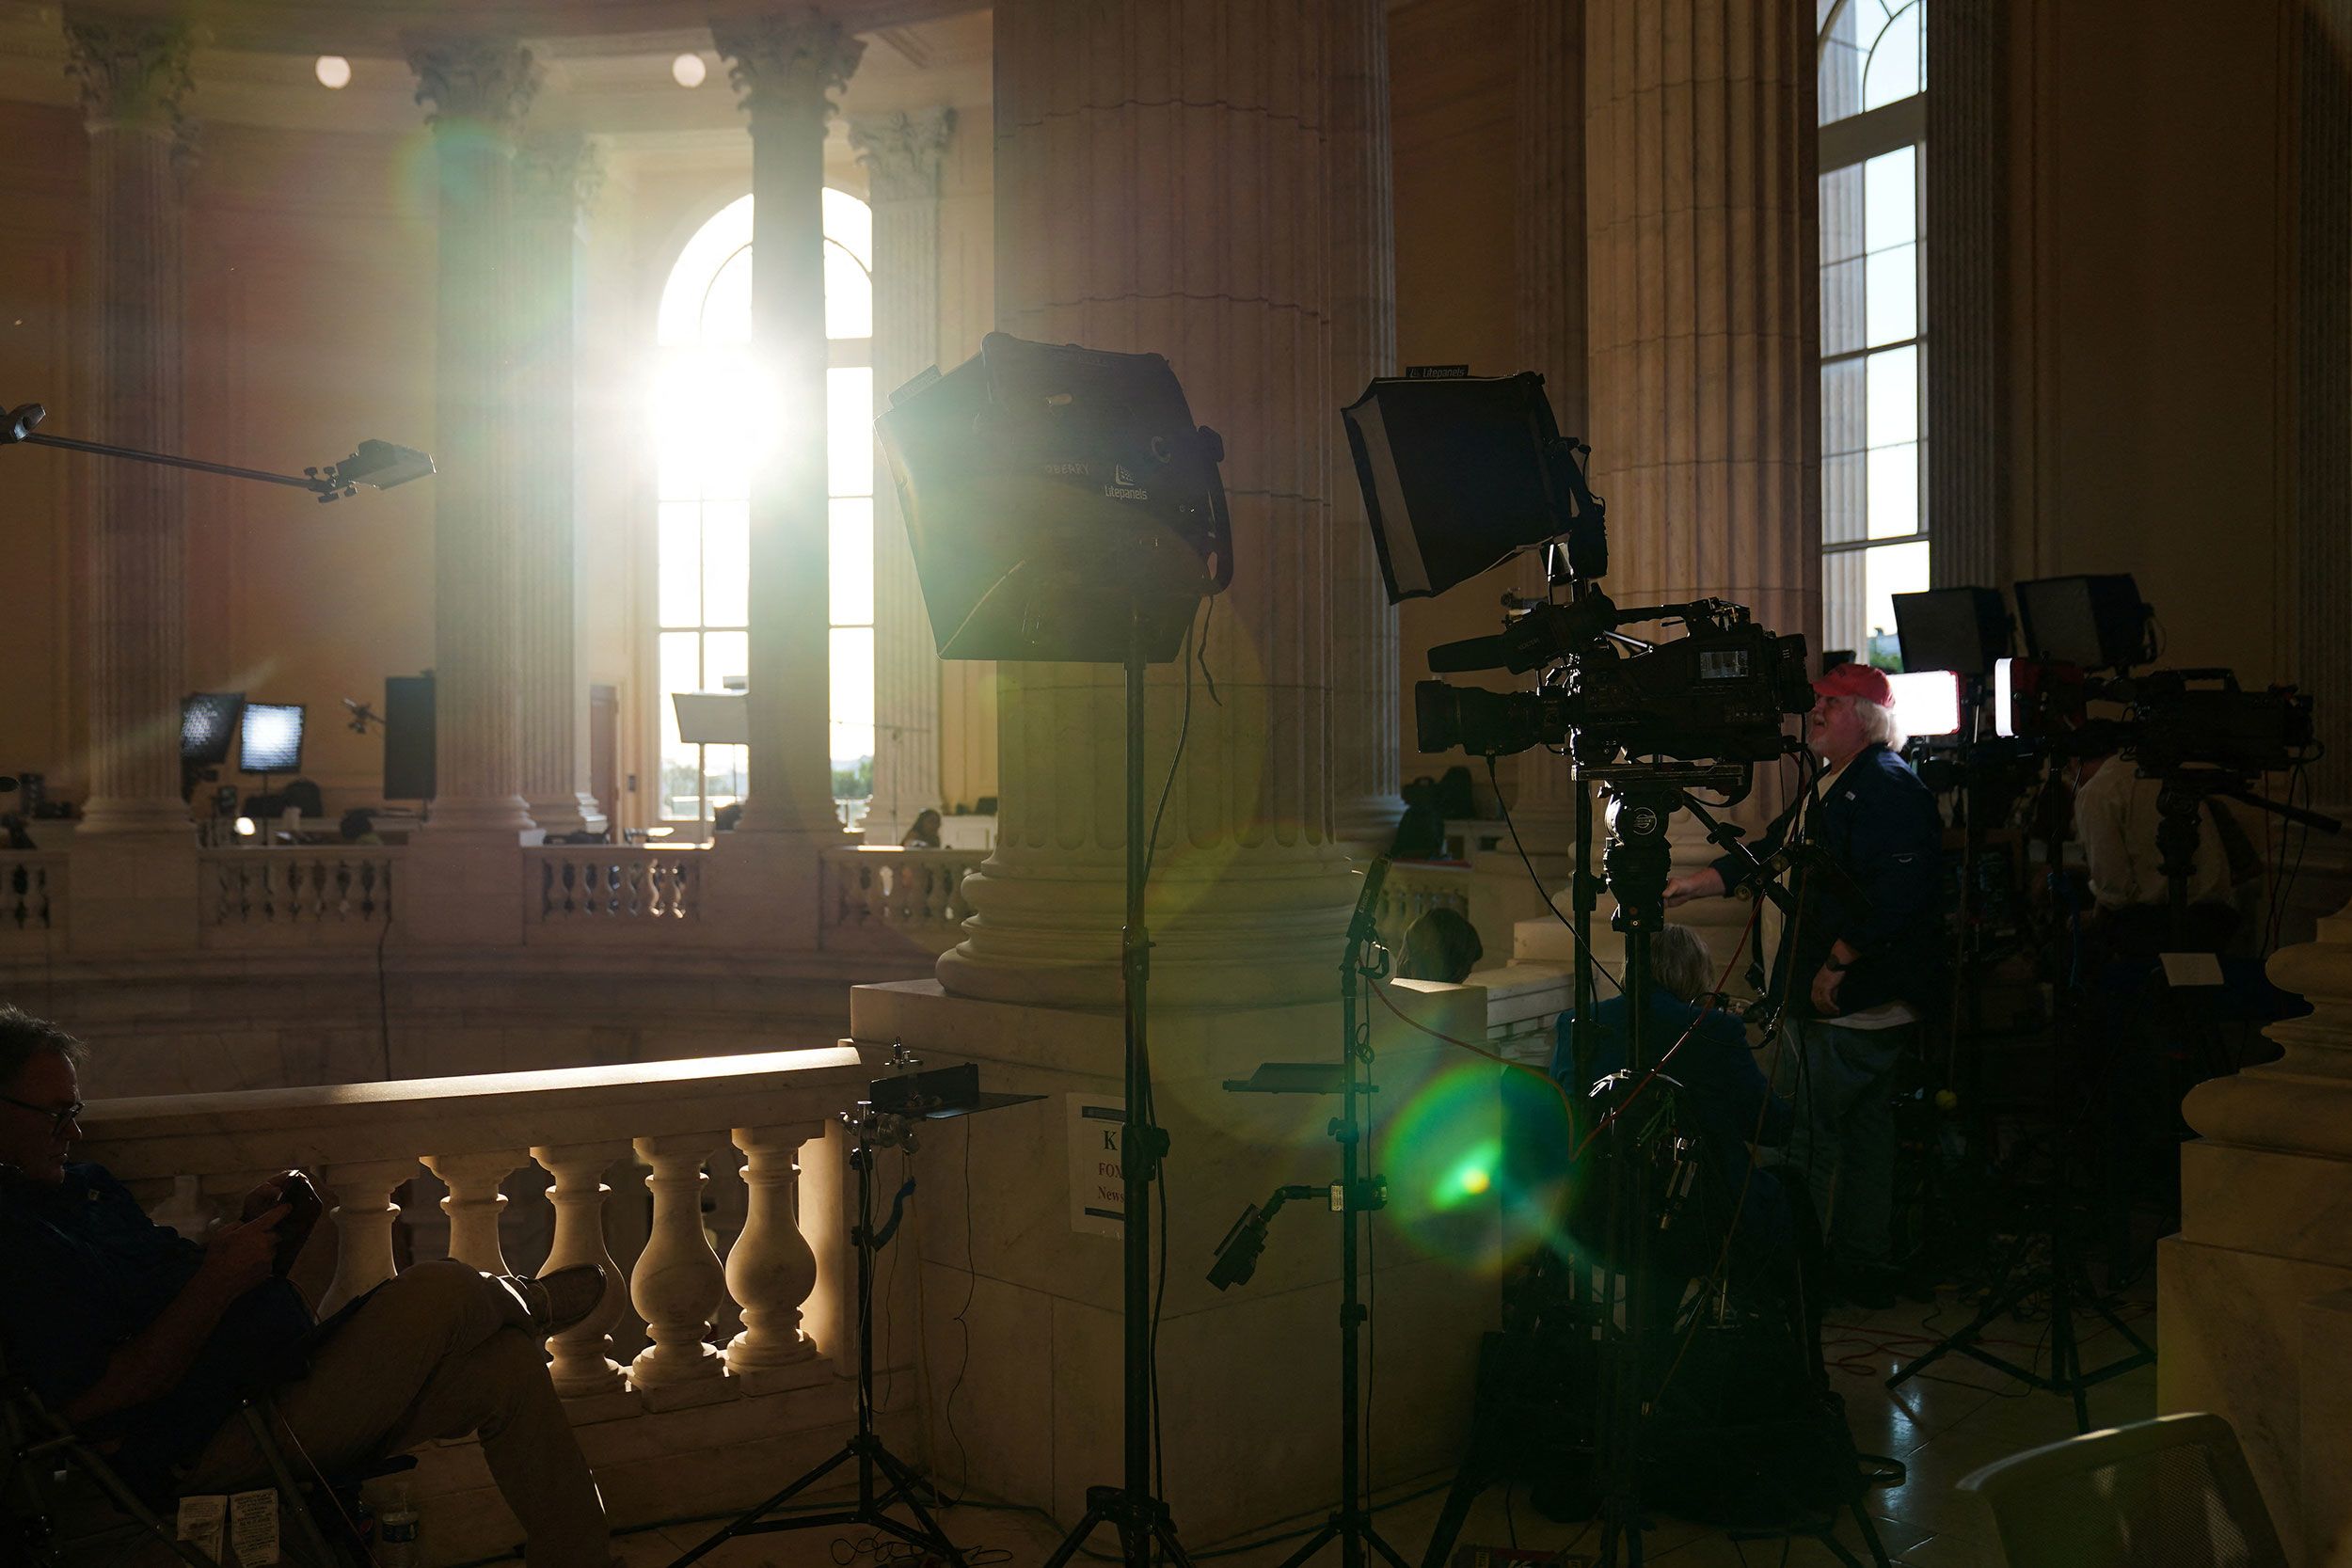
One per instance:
(865, 1446)
(2062, 1274)
(1142, 1520)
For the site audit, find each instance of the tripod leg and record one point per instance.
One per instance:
(1313, 1544)
(1468, 1484)
(1094, 1518)
(1378, 1544)
(1164, 1531)
(903, 1484)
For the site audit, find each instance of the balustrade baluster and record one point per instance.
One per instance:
(364, 1215)
(771, 1269)
(474, 1203)
(677, 1283)
(583, 1363)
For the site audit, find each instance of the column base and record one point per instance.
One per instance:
(105, 816)
(558, 816)
(476, 817)
(1263, 926)
(1366, 825)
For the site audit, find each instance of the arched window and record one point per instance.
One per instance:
(712, 414)
(1874, 340)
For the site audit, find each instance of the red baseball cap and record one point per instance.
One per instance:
(1856, 679)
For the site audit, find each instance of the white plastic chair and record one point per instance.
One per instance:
(2171, 1493)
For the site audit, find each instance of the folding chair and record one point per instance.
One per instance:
(41, 1444)
(2171, 1493)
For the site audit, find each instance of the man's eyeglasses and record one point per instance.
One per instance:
(58, 1119)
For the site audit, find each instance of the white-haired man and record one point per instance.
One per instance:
(1860, 956)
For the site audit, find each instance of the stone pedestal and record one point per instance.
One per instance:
(2250, 1293)
(133, 76)
(901, 153)
(1207, 248)
(556, 178)
(1022, 1307)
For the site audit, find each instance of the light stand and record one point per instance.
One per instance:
(1357, 1196)
(1140, 1514)
(876, 1129)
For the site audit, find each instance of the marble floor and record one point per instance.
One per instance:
(1942, 1425)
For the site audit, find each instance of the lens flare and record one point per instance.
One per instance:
(688, 70)
(334, 72)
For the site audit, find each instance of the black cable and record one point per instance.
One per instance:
(1599, 968)
(963, 1353)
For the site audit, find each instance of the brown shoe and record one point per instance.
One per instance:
(559, 1301)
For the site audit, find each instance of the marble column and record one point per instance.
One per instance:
(2323, 431)
(1361, 220)
(1168, 197)
(1548, 218)
(1968, 189)
(479, 90)
(133, 76)
(1704, 325)
(901, 153)
(556, 179)
(785, 67)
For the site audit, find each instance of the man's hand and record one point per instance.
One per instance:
(1705, 882)
(239, 1256)
(1825, 983)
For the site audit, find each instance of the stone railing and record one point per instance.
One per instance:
(885, 896)
(298, 894)
(32, 898)
(1412, 889)
(600, 884)
(745, 1119)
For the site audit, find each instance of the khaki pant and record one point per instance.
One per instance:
(441, 1351)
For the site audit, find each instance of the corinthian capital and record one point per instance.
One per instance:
(131, 74)
(486, 80)
(901, 152)
(558, 174)
(787, 63)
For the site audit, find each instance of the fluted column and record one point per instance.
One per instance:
(901, 153)
(1206, 245)
(1550, 317)
(2323, 425)
(785, 67)
(556, 179)
(132, 78)
(1968, 190)
(1361, 222)
(479, 90)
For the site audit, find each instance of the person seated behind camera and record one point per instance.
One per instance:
(148, 1342)
(2116, 818)
(1722, 1094)
(1442, 945)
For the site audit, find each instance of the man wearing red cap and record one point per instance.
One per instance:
(1859, 957)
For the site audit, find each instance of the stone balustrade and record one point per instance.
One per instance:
(1412, 889)
(294, 893)
(620, 885)
(32, 898)
(881, 896)
(716, 1415)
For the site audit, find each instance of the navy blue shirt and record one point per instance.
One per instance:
(87, 1271)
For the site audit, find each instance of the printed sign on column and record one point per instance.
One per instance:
(1098, 1190)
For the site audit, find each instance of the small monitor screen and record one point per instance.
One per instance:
(271, 742)
(208, 722)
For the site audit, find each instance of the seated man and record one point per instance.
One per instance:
(1442, 945)
(139, 1337)
(1722, 1097)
